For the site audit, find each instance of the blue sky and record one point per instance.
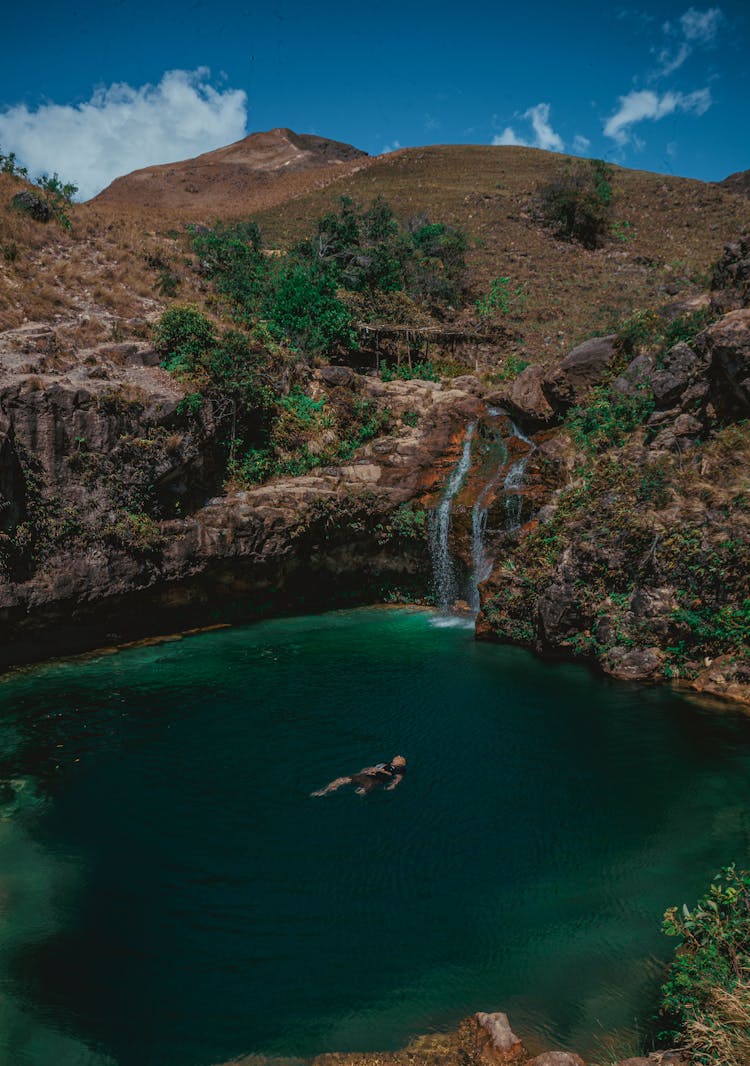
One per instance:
(93, 90)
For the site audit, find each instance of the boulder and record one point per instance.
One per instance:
(559, 613)
(635, 664)
(525, 399)
(578, 372)
(336, 375)
(33, 204)
(495, 1042)
(732, 274)
(557, 1058)
(635, 375)
(727, 346)
(680, 368)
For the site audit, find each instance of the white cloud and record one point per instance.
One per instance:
(544, 136)
(509, 136)
(669, 61)
(581, 144)
(645, 104)
(694, 28)
(122, 128)
(390, 148)
(701, 26)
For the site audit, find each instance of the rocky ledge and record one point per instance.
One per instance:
(480, 1040)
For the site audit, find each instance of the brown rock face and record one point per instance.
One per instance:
(113, 524)
(727, 346)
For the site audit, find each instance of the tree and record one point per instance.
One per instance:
(577, 203)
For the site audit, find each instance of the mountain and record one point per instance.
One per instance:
(739, 182)
(257, 172)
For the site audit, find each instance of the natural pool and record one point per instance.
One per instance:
(170, 893)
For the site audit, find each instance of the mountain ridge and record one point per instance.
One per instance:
(255, 172)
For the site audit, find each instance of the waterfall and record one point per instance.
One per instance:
(480, 560)
(513, 483)
(443, 570)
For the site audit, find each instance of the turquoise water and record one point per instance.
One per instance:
(170, 893)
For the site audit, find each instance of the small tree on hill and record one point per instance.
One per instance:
(578, 202)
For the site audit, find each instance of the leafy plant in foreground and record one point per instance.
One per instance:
(705, 1004)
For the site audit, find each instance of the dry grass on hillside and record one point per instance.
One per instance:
(680, 228)
(106, 274)
(121, 264)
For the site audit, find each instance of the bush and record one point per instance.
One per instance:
(705, 1004)
(230, 255)
(608, 417)
(422, 371)
(303, 307)
(501, 299)
(183, 336)
(578, 202)
(8, 165)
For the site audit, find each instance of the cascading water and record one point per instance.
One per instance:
(513, 483)
(443, 569)
(480, 559)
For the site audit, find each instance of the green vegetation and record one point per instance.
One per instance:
(303, 297)
(407, 522)
(511, 368)
(51, 201)
(269, 426)
(624, 232)
(501, 299)
(645, 330)
(8, 165)
(59, 196)
(422, 371)
(609, 416)
(577, 203)
(286, 309)
(705, 1004)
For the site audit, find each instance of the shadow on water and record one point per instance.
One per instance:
(171, 893)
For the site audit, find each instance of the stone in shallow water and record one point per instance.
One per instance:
(495, 1041)
(557, 1058)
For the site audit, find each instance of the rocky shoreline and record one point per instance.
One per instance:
(483, 1039)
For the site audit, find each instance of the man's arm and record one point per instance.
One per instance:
(394, 783)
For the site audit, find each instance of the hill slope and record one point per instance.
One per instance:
(258, 171)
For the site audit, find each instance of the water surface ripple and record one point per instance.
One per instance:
(172, 894)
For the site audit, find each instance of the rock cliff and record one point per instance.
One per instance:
(641, 560)
(114, 523)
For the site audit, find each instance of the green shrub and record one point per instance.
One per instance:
(637, 331)
(705, 1004)
(578, 202)
(8, 165)
(623, 231)
(183, 336)
(59, 196)
(303, 307)
(230, 254)
(422, 371)
(511, 368)
(501, 299)
(609, 416)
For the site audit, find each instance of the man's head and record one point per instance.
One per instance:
(398, 761)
